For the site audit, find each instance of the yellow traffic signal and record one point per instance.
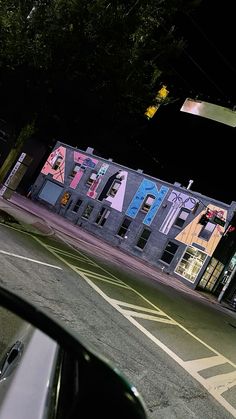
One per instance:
(151, 110)
(162, 93)
(159, 98)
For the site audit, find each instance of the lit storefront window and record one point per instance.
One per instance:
(75, 170)
(191, 263)
(211, 275)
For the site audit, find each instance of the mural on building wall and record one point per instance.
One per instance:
(83, 161)
(93, 188)
(55, 164)
(107, 187)
(118, 199)
(179, 200)
(191, 234)
(147, 188)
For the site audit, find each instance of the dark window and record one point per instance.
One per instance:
(207, 231)
(77, 205)
(124, 228)
(75, 170)
(182, 217)
(57, 163)
(148, 203)
(114, 188)
(91, 178)
(87, 211)
(169, 252)
(102, 216)
(142, 241)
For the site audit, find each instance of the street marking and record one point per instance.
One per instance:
(79, 258)
(100, 277)
(30, 260)
(136, 312)
(84, 258)
(96, 274)
(215, 385)
(129, 313)
(204, 363)
(139, 308)
(16, 229)
(222, 382)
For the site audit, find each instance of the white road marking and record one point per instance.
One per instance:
(204, 363)
(222, 382)
(215, 385)
(130, 313)
(139, 308)
(30, 260)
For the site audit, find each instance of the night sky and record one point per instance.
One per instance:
(172, 146)
(175, 146)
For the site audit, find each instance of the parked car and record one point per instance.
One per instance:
(46, 372)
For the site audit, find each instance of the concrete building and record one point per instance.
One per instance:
(166, 225)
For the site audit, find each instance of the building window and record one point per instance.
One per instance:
(211, 274)
(207, 231)
(114, 188)
(142, 241)
(75, 170)
(57, 163)
(102, 216)
(77, 205)
(182, 217)
(91, 178)
(87, 212)
(191, 263)
(169, 252)
(147, 203)
(124, 228)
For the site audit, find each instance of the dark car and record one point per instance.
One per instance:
(46, 372)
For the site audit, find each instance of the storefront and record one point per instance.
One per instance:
(220, 279)
(213, 276)
(191, 263)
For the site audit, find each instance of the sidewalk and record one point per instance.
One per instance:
(36, 219)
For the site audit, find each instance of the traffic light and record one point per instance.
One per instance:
(159, 99)
(151, 110)
(162, 93)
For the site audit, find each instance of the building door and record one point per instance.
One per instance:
(211, 276)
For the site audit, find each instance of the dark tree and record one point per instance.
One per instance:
(64, 63)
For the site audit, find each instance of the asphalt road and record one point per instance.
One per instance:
(178, 351)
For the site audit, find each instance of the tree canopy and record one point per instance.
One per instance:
(68, 61)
